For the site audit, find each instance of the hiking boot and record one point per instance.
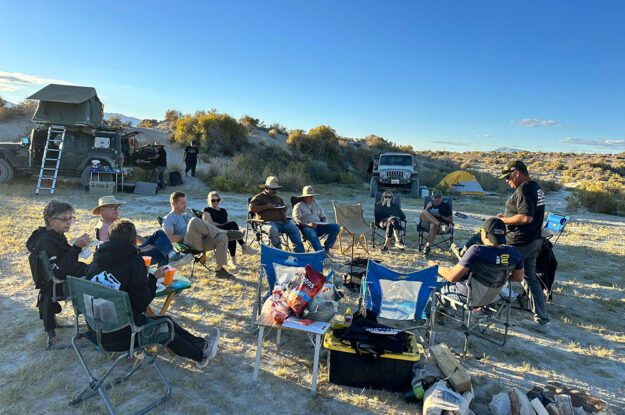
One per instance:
(248, 250)
(384, 248)
(400, 245)
(235, 235)
(179, 260)
(536, 325)
(426, 249)
(211, 342)
(223, 273)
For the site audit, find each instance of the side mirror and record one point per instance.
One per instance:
(26, 141)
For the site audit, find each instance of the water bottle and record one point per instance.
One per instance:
(416, 392)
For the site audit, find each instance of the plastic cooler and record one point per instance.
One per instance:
(391, 371)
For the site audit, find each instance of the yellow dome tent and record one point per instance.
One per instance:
(463, 182)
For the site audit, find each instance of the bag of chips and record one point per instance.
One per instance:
(312, 283)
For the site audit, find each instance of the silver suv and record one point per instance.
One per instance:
(397, 171)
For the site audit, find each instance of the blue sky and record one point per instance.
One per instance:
(440, 75)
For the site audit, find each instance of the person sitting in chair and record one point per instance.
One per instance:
(437, 216)
(58, 217)
(181, 226)
(270, 208)
(218, 216)
(492, 252)
(157, 246)
(119, 265)
(387, 216)
(313, 222)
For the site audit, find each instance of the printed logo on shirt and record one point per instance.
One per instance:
(107, 279)
(540, 197)
(502, 259)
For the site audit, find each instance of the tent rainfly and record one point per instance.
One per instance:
(463, 182)
(68, 105)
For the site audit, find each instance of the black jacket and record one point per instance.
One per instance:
(383, 212)
(63, 256)
(123, 261)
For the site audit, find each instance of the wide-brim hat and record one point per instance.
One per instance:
(308, 191)
(270, 183)
(106, 201)
(157, 144)
(495, 230)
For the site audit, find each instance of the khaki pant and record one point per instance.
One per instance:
(203, 236)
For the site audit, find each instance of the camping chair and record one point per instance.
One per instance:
(489, 291)
(394, 298)
(554, 225)
(256, 227)
(309, 248)
(199, 257)
(270, 256)
(107, 310)
(446, 239)
(350, 218)
(376, 231)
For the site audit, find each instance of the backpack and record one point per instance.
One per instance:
(371, 339)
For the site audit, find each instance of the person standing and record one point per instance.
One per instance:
(191, 158)
(523, 217)
(160, 163)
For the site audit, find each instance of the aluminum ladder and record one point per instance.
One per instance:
(51, 159)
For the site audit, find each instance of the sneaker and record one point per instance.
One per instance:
(223, 273)
(444, 228)
(210, 348)
(400, 245)
(247, 250)
(426, 249)
(235, 235)
(179, 260)
(536, 325)
(384, 248)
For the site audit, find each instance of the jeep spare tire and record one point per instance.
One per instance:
(373, 186)
(6, 171)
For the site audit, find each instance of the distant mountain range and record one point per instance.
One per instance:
(125, 119)
(507, 150)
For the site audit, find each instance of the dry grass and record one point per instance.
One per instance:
(585, 350)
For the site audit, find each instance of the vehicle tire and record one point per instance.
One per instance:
(6, 171)
(414, 189)
(373, 186)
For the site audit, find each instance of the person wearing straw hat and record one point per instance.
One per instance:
(313, 222)
(270, 208)
(156, 245)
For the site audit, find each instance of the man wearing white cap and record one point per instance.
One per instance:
(270, 208)
(313, 222)
(156, 245)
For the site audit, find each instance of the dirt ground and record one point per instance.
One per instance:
(586, 349)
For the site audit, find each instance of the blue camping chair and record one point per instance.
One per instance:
(270, 256)
(395, 296)
(555, 224)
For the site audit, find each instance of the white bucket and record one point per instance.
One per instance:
(424, 192)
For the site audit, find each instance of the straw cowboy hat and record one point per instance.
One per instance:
(308, 191)
(106, 201)
(157, 144)
(270, 183)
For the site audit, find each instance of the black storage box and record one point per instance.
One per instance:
(390, 371)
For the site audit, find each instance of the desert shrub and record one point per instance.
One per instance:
(490, 182)
(148, 123)
(216, 133)
(171, 116)
(279, 129)
(549, 185)
(25, 108)
(598, 197)
(320, 142)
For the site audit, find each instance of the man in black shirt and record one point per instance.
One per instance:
(190, 159)
(436, 216)
(523, 217)
(160, 163)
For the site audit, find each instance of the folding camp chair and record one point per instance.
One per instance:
(394, 297)
(107, 310)
(350, 218)
(309, 248)
(489, 291)
(376, 231)
(199, 257)
(257, 227)
(446, 239)
(554, 225)
(270, 256)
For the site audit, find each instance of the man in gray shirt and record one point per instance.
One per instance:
(181, 226)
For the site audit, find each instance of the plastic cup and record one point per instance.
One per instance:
(169, 276)
(147, 260)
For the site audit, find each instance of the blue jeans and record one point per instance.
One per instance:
(313, 235)
(162, 247)
(276, 228)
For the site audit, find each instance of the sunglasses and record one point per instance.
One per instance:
(215, 200)
(388, 197)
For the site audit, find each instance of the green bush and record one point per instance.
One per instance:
(215, 133)
(598, 197)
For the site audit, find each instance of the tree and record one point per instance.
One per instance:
(148, 123)
(171, 116)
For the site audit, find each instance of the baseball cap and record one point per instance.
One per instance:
(495, 230)
(437, 193)
(512, 166)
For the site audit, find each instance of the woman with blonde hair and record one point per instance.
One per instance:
(218, 216)
(387, 216)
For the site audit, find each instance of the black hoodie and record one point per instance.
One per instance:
(123, 262)
(63, 256)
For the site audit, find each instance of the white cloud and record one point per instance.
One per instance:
(537, 122)
(605, 143)
(15, 81)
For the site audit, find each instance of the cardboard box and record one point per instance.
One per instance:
(101, 188)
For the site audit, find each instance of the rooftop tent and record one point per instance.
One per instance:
(463, 182)
(68, 105)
